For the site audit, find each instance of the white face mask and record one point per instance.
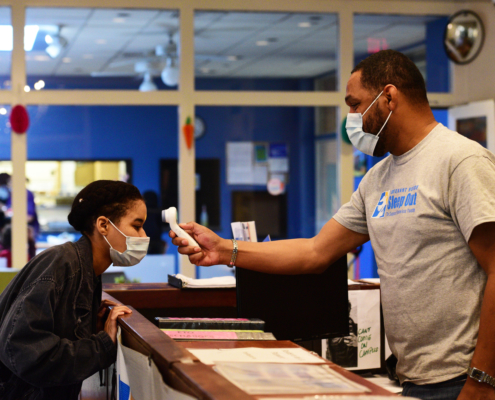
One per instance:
(365, 142)
(137, 247)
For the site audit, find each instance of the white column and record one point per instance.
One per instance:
(18, 144)
(187, 192)
(345, 153)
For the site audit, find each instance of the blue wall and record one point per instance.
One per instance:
(142, 134)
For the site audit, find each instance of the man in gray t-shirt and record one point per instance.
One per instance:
(429, 211)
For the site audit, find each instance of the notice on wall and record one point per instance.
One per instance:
(247, 163)
(240, 168)
(278, 157)
(361, 349)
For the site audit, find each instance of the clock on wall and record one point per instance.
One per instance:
(199, 127)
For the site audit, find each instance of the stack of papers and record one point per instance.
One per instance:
(183, 281)
(256, 355)
(257, 378)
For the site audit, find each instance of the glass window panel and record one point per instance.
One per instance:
(71, 146)
(327, 191)
(254, 145)
(418, 37)
(265, 51)
(84, 48)
(6, 43)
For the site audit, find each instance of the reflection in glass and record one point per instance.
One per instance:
(265, 51)
(418, 37)
(83, 48)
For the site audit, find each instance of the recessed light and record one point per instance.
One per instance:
(3, 111)
(41, 57)
(66, 60)
(232, 58)
(119, 20)
(101, 41)
(304, 24)
(262, 43)
(205, 70)
(27, 88)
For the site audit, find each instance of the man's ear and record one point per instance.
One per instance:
(102, 225)
(392, 95)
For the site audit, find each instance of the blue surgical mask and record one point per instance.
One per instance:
(365, 142)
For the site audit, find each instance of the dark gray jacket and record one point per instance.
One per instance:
(48, 339)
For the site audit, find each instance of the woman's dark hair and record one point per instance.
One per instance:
(109, 199)
(392, 67)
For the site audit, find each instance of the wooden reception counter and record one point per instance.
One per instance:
(179, 368)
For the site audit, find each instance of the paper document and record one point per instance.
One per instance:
(256, 355)
(218, 282)
(256, 378)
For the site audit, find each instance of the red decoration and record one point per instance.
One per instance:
(188, 130)
(19, 119)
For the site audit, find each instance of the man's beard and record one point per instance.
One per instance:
(373, 124)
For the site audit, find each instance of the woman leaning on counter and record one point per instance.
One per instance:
(53, 333)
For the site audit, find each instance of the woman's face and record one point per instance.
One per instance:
(131, 224)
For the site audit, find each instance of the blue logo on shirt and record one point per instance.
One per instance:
(396, 201)
(381, 207)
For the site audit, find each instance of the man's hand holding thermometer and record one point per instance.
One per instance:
(212, 249)
(170, 215)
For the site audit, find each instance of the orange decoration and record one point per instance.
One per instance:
(188, 130)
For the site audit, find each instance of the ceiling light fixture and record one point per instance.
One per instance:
(262, 43)
(170, 74)
(232, 58)
(27, 88)
(3, 111)
(147, 85)
(304, 24)
(39, 85)
(119, 20)
(56, 43)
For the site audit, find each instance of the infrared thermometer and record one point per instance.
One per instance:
(170, 215)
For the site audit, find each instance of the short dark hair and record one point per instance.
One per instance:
(392, 67)
(106, 198)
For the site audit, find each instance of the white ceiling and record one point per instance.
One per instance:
(110, 41)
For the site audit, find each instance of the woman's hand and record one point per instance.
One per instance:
(214, 250)
(103, 312)
(111, 323)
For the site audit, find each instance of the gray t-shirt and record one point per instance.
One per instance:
(420, 209)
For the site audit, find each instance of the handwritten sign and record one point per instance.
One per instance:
(361, 349)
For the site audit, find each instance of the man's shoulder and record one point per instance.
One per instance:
(455, 148)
